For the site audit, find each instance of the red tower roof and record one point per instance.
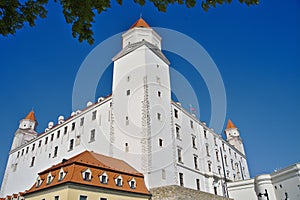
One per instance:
(140, 23)
(230, 125)
(31, 116)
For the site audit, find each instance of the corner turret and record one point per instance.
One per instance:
(233, 136)
(26, 130)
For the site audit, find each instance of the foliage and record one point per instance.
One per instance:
(14, 14)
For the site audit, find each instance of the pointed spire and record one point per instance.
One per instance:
(230, 125)
(30, 116)
(140, 23)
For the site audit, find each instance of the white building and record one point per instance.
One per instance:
(281, 185)
(138, 123)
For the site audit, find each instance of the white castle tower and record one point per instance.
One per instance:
(138, 123)
(142, 105)
(233, 136)
(26, 131)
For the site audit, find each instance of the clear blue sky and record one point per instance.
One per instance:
(256, 49)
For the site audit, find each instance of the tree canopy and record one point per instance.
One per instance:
(14, 14)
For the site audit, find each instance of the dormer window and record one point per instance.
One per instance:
(103, 178)
(119, 181)
(132, 183)
(38, 181)
(49, 178)
(87, 175)
(61, 174)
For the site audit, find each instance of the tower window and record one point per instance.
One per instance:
(73, 126)
(198, 184)
(27, 149)
(128, 78)
(22, 152)
(126, 121)
(126, 147)
(82, 121)
(92, 136)
(194, 142)
(163, 174)
(71, 145)
(128, 92)
(223, 146)
(46, 140)
(192, 124)
(209, 166)
(52, 136)
(40, 143)
(32, 161)
(18, 154)
(181, 179)
(215, 141)
(33, 147)
(195, 162)
(176, 113)
(205, 133)
(58, 134)
(179, 156)
(158, 93)
(160, 142)
(207, 150)
(159, 116)
(177, 130)
(217, 156)
(225, 159)
(55, 151)
(65, 130)
(94, 115)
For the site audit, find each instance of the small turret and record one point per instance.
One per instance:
(26, 130)
(233, 136)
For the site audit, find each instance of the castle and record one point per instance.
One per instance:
(138, 123)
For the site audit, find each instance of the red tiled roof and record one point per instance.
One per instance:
(140, 23)
(230, 125)
(97, 164)
(31, 116)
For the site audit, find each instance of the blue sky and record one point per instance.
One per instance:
(256, 49)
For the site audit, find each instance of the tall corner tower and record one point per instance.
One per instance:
(233, 136)
(141, 105)
(26, 130)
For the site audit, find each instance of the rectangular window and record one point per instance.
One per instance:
(22, 152)
(32, 161)
(56, 198)
(55, 151)
(217, 156)
(179, 151)
(18, 154)
(160, 142)
(58, 134)
(52, 136)
(119, 182)
(103, 179)
(128, 92)
(82, 121)
(205, 133)
(181, 179)
(40, 143)
(207, 150)
(27, 149)
(46, 140)
(33, 147)
(196, 162)
(209, 166)
(158, 93)
(71, 146)
(92, 136)
(82, 197)
(192, 124)
(194, 142)
(66, 130)
(159, 116)
(103, 198)
(94, 115)
(73, 126)
(126, 121)
(87, 176)
(176, 113)
(177, 130)
(198, 184)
